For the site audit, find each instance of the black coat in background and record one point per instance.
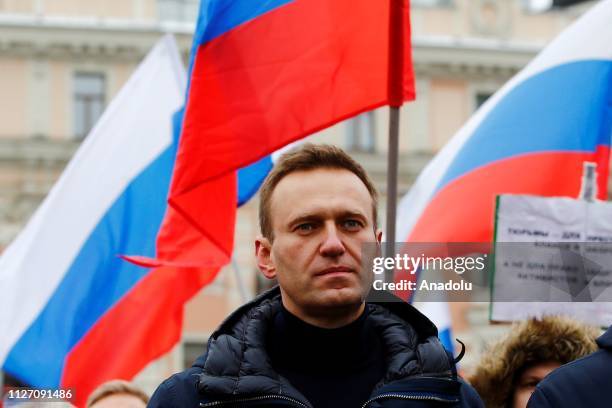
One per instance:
(586, 382)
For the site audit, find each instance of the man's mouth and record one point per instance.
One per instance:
(335, 270)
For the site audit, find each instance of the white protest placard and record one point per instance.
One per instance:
(552, 256)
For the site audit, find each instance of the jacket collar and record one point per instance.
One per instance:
(236, 362)
(422, 325)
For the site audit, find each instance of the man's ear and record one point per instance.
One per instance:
(378, 234)
(263, 252)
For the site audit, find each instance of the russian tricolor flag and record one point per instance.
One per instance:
(531, 137)
(72, 313)
(264, 74)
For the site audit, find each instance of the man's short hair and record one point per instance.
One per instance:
(304, 158)
(116, 387)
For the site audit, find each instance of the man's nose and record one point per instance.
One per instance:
(332, 244)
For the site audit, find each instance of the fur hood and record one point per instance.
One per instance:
(527, 343)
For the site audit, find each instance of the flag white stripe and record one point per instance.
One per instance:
(133, 131)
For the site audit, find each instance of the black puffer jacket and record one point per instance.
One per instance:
(236, 371)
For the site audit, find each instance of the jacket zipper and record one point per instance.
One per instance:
(410, 397)
(258, 398)
(301, 404)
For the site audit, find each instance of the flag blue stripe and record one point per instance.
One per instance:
(552, 111)
(251, 177)
(217, 17)
(86, 292)
(444, 334)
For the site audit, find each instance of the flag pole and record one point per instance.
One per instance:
(392, 170)
(397, 11)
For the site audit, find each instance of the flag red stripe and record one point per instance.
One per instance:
(142, 326)
(277, 78)
(463, 211)
(399, 55)
(281, 76)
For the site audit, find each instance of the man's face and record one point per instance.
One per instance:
(320, 219)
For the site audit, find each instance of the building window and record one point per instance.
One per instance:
(178, 10)
(191, 351)
(536, 6)
(431, 3)
(541, 6)
(481, 98)
(89, 99)
(360, 133)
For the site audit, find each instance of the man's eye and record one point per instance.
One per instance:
(306, 227)
(352, 224)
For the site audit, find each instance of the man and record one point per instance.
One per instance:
(509, 371)
(313, 341)
(583, 383)
(117, 394)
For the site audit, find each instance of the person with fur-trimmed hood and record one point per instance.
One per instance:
(509, 371)
(582, 383)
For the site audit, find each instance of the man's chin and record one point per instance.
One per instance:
(344, 296)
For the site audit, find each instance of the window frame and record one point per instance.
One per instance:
(88, 99)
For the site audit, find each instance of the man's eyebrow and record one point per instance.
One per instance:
(316, 217)
(303, 218)
(346, 214)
